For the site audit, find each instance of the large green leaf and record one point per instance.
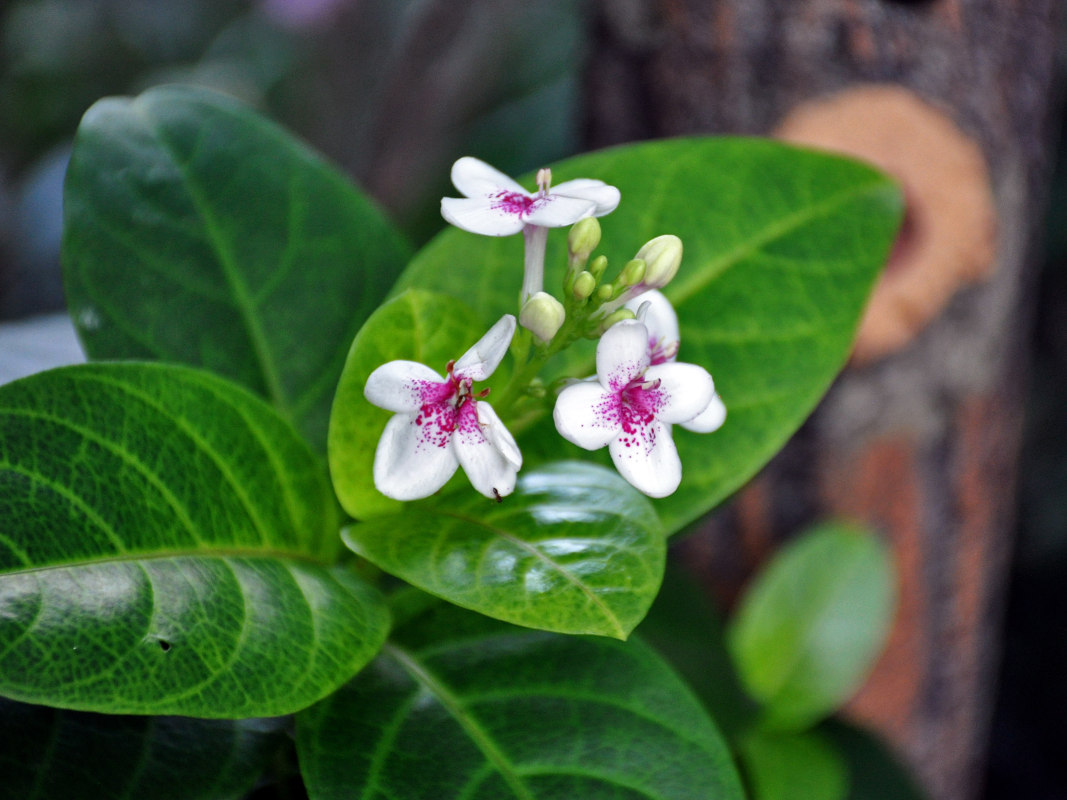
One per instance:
(810, 626)
(782, 246)
(783, 766)
(458, 708)
(198, 232)
(48, 753)
(575, 550)
(417, 326)
(166, 543)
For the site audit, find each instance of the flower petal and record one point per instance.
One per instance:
(413, 460)
(481, 217)
(651, 465)
(604, 196)
(490, 470)
(658, 316)
(484, 357)
(587, 415)
(687, 390)
(708, 420)
(405, 386)
(474, 178)
(557, 211)
(498, 434)
(622, 354)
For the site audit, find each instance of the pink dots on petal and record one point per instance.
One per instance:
(514, 203)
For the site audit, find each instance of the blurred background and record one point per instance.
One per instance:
(394, 90)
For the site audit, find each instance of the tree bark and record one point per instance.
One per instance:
(920, 438)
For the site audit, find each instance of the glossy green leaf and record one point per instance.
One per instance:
(479, 710)
(198, 232)
(48, 753)
(166, 543)
(876, 773)
(575, 550)
(785, 766)
(810, 626)
(417, 326)
(782, 246)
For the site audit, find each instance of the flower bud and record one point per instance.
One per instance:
(583, 238)
(584, 285)
(597, 266)
(604, 292)
(616, 316)
(633, 273)
(542, 315)
(662, 255)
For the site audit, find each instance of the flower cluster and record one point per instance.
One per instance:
(640, 390)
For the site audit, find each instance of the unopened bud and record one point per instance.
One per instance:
(663, 255)
(616, 316)
(633, 273)
(598, 265)
(584, 285)
(604, 292)
(542, 315)
(583, 238)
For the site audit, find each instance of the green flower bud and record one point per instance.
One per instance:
(663, 255)
(633, 273)
(604, 292)
(598, 265)
(542, 315)
(616, 316)
(583, 238)
(584, 285)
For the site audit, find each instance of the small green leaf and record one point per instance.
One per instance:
(456, 708)
(575, 550)
(782, 246)
(198, 232)
(417, 326)
(47, 753)
(785, 766)
(812, 623)
(166, 547)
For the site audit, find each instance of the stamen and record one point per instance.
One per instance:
(544, 180)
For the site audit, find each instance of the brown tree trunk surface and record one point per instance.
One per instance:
(919, 437)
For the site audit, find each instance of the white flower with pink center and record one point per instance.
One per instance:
(495, 205)
(631, 406)
(658, 315)
(441, 424)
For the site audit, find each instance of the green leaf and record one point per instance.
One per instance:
(475, 709)
(784, 766)
(782, 246)
(47, 753)
(574, 550)
(198, 232)
(166, 543)
(417, 326)
(810, 626)
(877, 774)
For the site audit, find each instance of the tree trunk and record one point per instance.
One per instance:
(919, 437)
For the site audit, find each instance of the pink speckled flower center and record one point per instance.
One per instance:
(514, 203)
(443, 408)
(633, 410)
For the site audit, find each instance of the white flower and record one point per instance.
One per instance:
(656, 312)
(495, 205)
(631, 406)
(441, 424)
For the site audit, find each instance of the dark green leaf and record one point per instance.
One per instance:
(166, 543)
(417, 326)
(484, 711)
(876, 773)
(575, 550)
(47, 753)
(198, 232)
(810, 626)
(786, 766)
(782, 246)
